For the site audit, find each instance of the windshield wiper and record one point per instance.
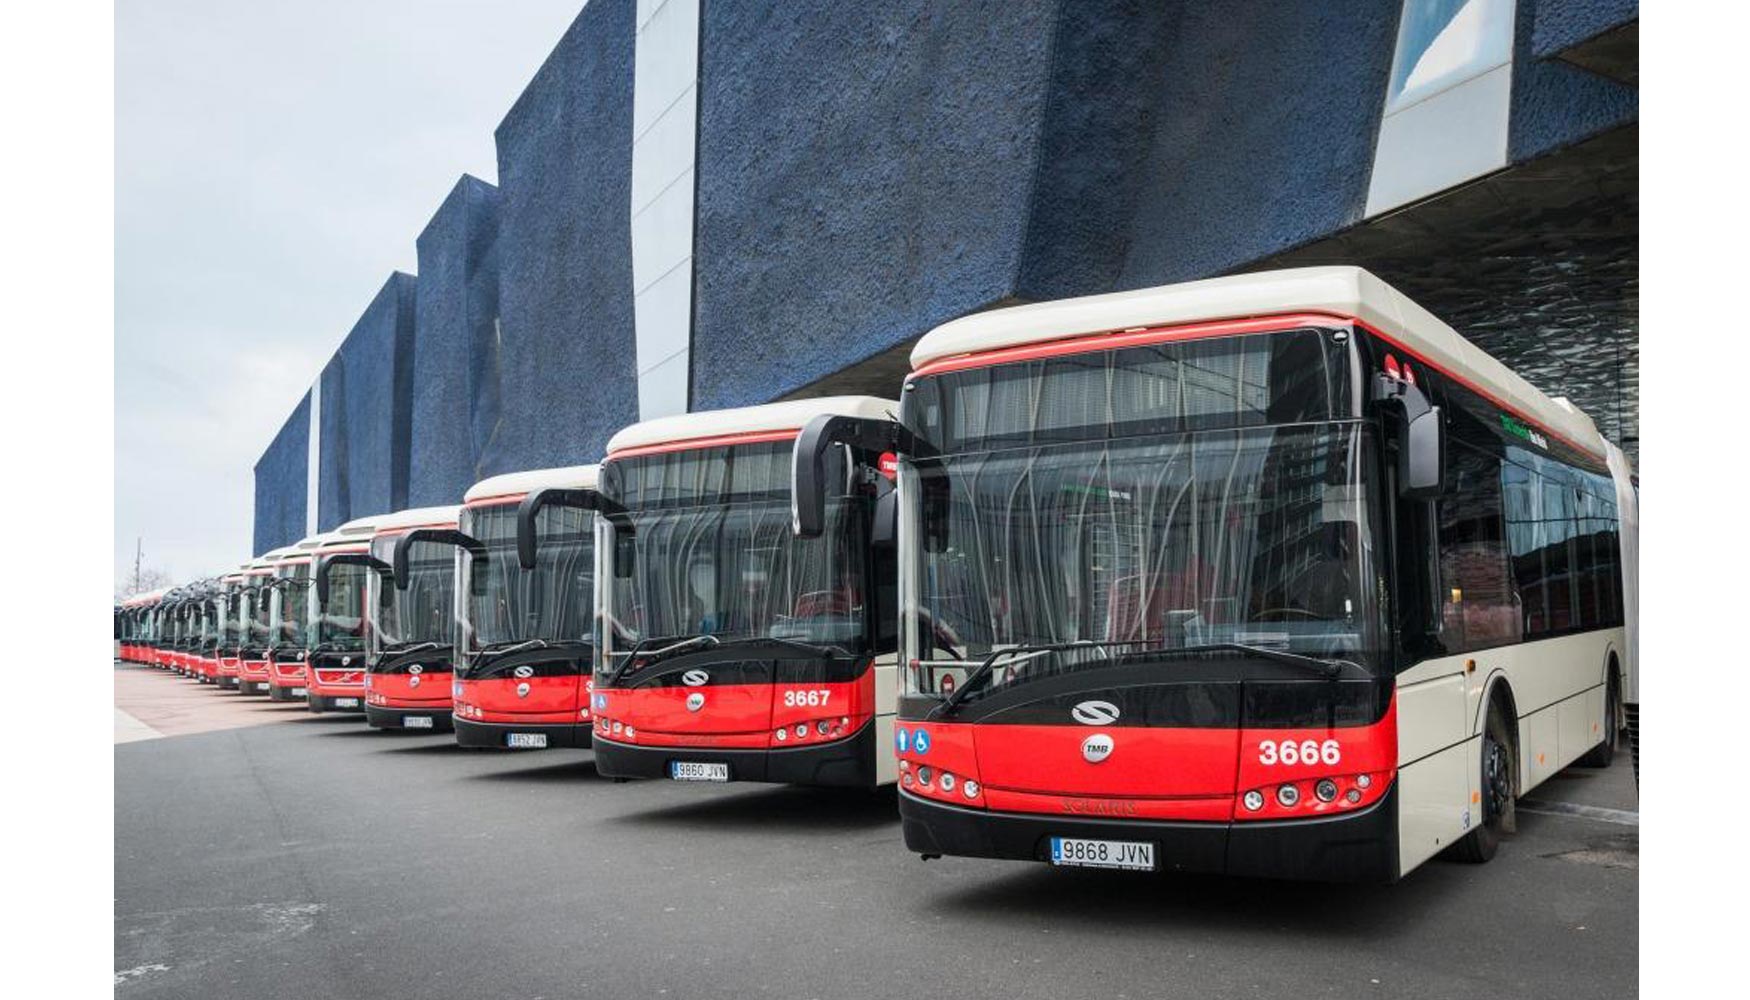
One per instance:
(817, 648)
(1325, 668)
(1029, 650)
(638, 647)
(1318, 665)
(400, 649)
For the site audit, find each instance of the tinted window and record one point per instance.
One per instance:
(1479, 605)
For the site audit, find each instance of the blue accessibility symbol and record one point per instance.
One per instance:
(921, 742)
(901, 740)
(601, 702)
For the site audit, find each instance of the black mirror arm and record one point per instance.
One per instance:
(527, 540)
(351, 558)
(808, 485)
(436, 536)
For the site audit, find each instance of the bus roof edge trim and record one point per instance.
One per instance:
(706, 425)
(1343, 291)
(574, 477)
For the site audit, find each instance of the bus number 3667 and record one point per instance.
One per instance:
(811, 698)
(1302, 752)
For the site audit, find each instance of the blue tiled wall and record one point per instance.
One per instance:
(863, 174)
(567, 364)
(282, 482)
(1556, 104)
(455, 354)
(367, 411)
(869, 171)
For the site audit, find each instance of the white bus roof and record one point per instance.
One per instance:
(510, 484)
(1350, 292)
(417, 517)
(306, 544)
(789, 415)
(357, 531)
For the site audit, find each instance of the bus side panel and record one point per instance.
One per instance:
(886, 711)
(1433, 754)
(1540, 733)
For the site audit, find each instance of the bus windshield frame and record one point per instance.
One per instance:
(335, 630)
(1203, 495)
(424, 612)
(506, 605)
(705, 547)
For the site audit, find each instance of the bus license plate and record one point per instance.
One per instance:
(1076, 853)
(346, 703)
(300, 692)
(416, 721)
(531, 741)
(688, 770)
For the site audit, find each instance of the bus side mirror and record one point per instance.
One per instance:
(808, 485)
(527, 540)
(1421, 437)
(436, 536)
(884, 533)
(355, 558)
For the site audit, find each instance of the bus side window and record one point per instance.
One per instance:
(1479, 605)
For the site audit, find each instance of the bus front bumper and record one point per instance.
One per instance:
(1355, 847)
(846, 763)
(352, 704)
(389, 717)
(470, 733)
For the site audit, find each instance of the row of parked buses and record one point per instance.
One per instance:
(1271, 575)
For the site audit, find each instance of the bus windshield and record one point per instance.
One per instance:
(707, 549)
(340, 622)
(260, 621)
(231, 619)
(292, 605)
(552, 602)
(1187, 493)
(422, 612)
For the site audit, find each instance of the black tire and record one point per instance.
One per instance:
(1499, 766)
(1601, 755)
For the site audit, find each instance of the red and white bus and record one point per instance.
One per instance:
(731, 649)
(227, 629)
(139, 615)
(1272, 575)
(334, 638)
(523, 647)
(205, 630)
(412, 625)
(254, 622)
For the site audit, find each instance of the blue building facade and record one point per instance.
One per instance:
(848, 176)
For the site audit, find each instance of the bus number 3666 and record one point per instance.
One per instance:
(812, 698)
(1303, 752)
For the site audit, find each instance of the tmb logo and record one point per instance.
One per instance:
(694, 678)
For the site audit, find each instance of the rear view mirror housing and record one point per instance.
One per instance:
(808, 485)
(436, 536)
(355, 558)
(1421, 437)
(527, 540)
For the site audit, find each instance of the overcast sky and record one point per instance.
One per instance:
(274, 163)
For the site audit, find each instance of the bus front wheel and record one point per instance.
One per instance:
(1480, 844)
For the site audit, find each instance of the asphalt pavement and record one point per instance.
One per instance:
(302, 856)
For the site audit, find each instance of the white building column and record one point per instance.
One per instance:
(664, 150)
(313, 468)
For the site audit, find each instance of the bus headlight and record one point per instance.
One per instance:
(947, 782)
(1288, 795)
(1254, 800)
(1326, 790)
(969, 788)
